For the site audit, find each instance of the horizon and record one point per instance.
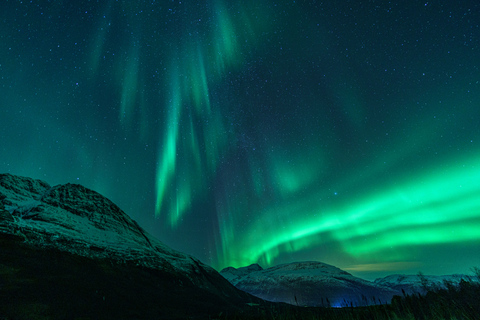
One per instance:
(384, 273)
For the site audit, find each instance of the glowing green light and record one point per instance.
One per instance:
(294, 173)
(427, 209)
(196, 137)
(199, 84)
(129, 86)
(225, 39)
(168, 151)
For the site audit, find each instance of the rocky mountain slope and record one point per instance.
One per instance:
(68, 252)
(308, 284)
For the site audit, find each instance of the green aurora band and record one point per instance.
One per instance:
(430, 209)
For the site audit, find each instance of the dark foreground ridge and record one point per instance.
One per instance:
(52, 284)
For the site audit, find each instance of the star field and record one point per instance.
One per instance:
(258, 132)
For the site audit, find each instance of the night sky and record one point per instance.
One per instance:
(267, 132)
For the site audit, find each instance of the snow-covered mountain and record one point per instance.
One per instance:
(73, 218)
(412, 284)
(308, 284)
(70, 229)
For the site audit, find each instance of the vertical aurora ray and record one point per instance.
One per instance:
(199, 84)
(98, 47)
(167, 155)
(181, 173)
(226, 49)
(196, 137)
(130, 85)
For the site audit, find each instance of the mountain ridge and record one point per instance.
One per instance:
(49, 214)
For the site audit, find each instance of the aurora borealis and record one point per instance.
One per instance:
(259, 131)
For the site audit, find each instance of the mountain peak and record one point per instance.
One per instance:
(254, 267)
(19, 187)
(309, 283)
(74, 218)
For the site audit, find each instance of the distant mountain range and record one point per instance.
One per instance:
(68, 252)
(412, 284)
(308, 284)
(319, 284)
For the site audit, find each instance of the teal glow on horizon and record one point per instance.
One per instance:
(258, 131)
